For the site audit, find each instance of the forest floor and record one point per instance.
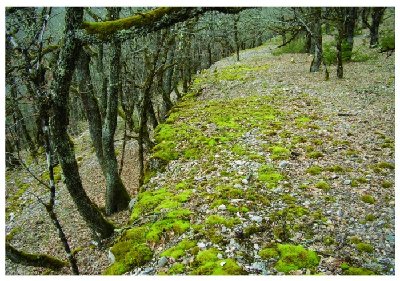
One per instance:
(262, 157)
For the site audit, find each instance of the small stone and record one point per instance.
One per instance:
(347, 182)
(162, 261)
(283, 164)
(237, 185)
(201, 245)
(223, 263)
(224, 229)
(245, 181)
(256, 247)
(256, 219)
(219, 256)
(222, 207)
(334, 177)
(132, 203)
(111, 256)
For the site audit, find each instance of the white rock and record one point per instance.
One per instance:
(283, 164)
(347, 182)
(162, 261)
(245, 181)
(256, 247)
(256, 218)
(223, 263)
(201, 245)
(132, 203)
(111, 256)
(222, 207)
(237, 185)
(219, 256)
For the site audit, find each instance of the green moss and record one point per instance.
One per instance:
(358, 271)
(165, 151)
(218, 220)
(227, 192)
(279, 152)
(179, 214)
(180, 249)
(364, 247)
(344, 266)
(158, 228)
(315, 154)
(268, 253)
(354, 239)
(148, 201)
(386, 184)
(314, 170)
(177, 268)
(294, 257)
(322, 185)
(128, 254)
(268, 175)
(208, 263)
(117, 268)
(106, 28)
(251, 229)
(328, 240)
(137, 234)
(207, 255)
(336, 169)
(370, 217)
(368, 199)
(385, 165)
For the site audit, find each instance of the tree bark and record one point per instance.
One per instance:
(349, 27)
(59, 124)
(317, 40)
(117, 198)
(339, 70)
(377, 15)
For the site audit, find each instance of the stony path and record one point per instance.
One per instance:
(273, 155)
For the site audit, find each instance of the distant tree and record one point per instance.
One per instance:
(377, 16)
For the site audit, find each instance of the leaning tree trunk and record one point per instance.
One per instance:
(117, 198)
(59, 125)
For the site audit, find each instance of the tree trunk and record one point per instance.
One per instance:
(377, 15)
(236, 35)
(90, 104)
(339, 70)
(117, 198)
(349, 27)
(317, 39)
(59, 124)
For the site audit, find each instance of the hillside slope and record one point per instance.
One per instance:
(265, 168)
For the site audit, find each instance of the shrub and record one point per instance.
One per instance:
(387, 41)
(295, 46)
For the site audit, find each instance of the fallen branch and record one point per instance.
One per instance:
(37, 260)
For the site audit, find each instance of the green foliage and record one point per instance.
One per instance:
(314, 170)
(368, 199)
(329, 53)
(370, 217)
(158, 228)
(294, 257)
(117, 268)
(237, 72)
(387, 40)
(295, 46)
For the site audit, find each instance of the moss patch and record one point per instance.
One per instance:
(294, 257)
